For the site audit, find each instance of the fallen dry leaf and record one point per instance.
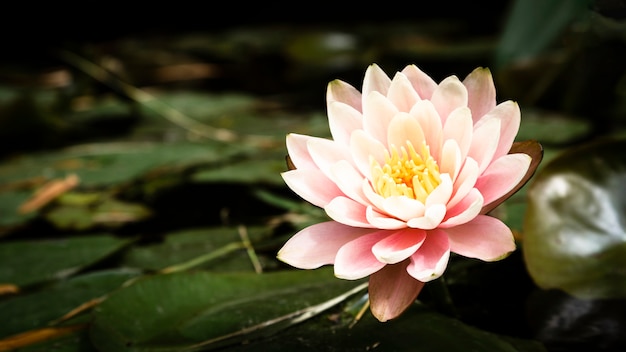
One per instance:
(48, 192)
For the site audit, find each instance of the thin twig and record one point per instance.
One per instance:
(243, 234)
(231, 247)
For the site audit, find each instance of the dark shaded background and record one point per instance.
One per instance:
(29, 30)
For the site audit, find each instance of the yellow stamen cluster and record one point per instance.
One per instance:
(406, 173)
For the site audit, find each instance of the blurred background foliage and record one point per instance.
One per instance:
(141, 203)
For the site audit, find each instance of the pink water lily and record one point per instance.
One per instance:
(408, 177)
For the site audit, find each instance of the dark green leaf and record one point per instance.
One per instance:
(106, 164)
(29, 262)
(418, 329)
(533, 25)
(182, 246)
(177, 311)
(38, 309)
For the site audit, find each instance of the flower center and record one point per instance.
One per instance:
(406, 173)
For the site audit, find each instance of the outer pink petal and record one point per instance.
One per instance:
(430, 122)
(399, 245)
(431, 259)
(401, 93)
(404, 128)
(347, 211)
(318, 244)
(485, 142)
(343, 120)
(510, 117)
(326, 153)
(481, 92)
(312, 185)
(355, 259)
(364, 146)
(485, 238)
(375, 80)
(378, 111)
(422, 83)
(392, 291)
(299, 152)
(449, 95)
(343, 92)
(502, 175)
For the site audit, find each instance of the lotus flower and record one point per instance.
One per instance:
(411, 171)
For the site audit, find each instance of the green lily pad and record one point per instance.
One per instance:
(177, 311)
(9, 204)
(540, 125)
(574, 228)
(186, 245)
(418, 329)
(38, 309)
(266, 171)
(29, 262)
(550, 19)
(107, 164)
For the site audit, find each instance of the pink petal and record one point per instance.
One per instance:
(377, 113)
(312, 185)
(465, 210)
(325, 153)
(347, 211)
(450, 160)
(422, 83)
(465, 181)
(481, 92)
(430, 122)
(343, 120)
(362, 147)
(349, 181)
(383, 221)
(502, 175)
(509, 114)
(402, 128)
(355, 259)
(375, 199)
(401, 93)
(343, 92)
(403, 208)
(485, 238)
(441, 194)
(299, 152)
(318, 244)
(484, 143)
(449, 95)
(431, 259)
(459, 127)
(431, 219)
(376, 80)
(392, 291)
(398, 246)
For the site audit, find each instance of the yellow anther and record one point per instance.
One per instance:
(406, 173)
